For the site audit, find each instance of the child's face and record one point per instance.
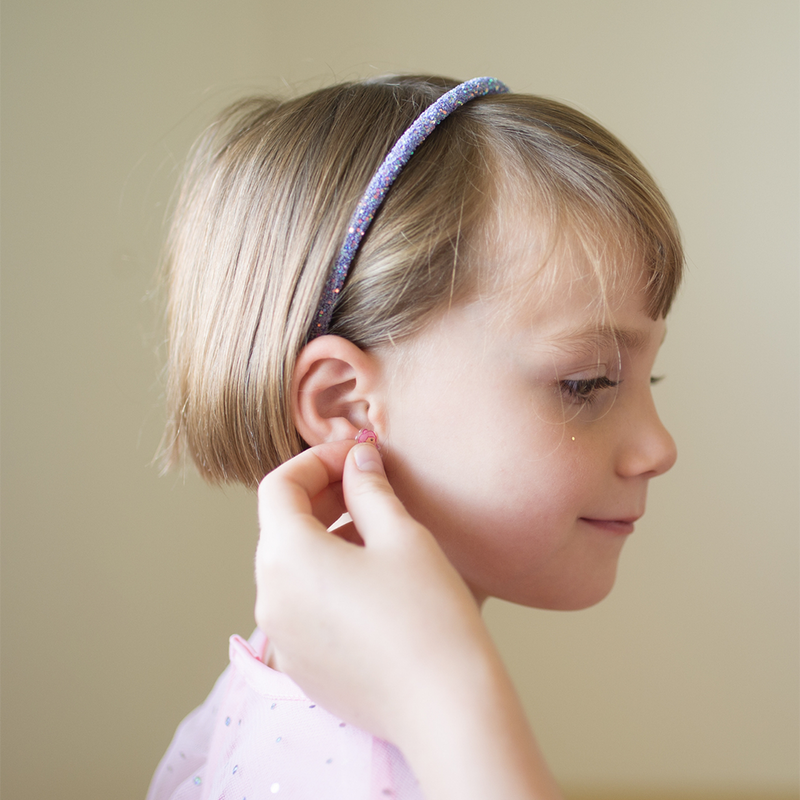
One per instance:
(506, 438)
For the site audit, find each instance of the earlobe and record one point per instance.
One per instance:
(334, 391)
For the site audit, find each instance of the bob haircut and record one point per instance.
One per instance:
(262, 213)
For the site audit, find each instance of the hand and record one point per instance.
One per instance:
(359, 628)
(387, 635)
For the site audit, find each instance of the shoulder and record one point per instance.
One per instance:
(258, 734)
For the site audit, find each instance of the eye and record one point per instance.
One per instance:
(586, 390)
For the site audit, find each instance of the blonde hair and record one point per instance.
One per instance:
(261, 216)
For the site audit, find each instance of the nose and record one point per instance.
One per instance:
(647, 449)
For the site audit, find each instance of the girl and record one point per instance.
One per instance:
(486, 303)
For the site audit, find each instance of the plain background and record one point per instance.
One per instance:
(120, 587)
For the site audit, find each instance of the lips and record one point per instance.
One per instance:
(617, 526)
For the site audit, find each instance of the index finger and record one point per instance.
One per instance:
(289, 489)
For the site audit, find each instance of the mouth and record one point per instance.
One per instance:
(621, 527)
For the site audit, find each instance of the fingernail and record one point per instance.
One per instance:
(368, 459)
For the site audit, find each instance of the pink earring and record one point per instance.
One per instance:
(366, 435)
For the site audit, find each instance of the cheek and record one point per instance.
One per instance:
(476, 448)
(495, 482)
(501, 488)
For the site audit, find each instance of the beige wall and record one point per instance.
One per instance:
(120, 587)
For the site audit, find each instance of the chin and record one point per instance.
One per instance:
(570, 596)
(576, 603)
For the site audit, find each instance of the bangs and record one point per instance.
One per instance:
(612, 220)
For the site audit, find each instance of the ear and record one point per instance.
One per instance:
(335, 391)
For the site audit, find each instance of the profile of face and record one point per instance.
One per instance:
(524, 436)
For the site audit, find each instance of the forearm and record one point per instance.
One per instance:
(472, 738)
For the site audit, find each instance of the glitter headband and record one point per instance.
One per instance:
(372, 198)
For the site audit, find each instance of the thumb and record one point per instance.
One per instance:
(376, 510)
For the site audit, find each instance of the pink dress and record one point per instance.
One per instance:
(258, 736)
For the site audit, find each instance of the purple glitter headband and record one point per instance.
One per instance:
(372, 198)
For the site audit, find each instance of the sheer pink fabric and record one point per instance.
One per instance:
(258, 736)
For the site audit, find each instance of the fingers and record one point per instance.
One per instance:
(307, 494)
(371, 501)
(328, 505)
(304, 486)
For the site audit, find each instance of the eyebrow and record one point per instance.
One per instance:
(588, 341)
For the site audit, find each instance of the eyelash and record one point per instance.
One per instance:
(586, 390)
